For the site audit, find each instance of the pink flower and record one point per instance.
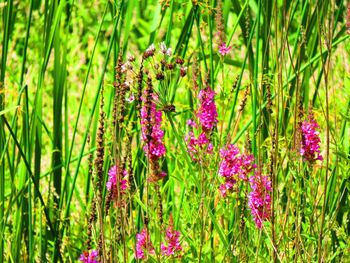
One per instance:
(227, 186)
(172, 238)
(231, 163)
(163, 174)
(259, 199)
(310, 143)
(131, 98)
(234, 166)
(152, 120)
(143, 244)
(247, 166)
(191, 123)
(197, 145)
(207, 113)
(207, 117)
(192, 143)
(91, 257)
(223, 49)
(112, 181)
(202, 139)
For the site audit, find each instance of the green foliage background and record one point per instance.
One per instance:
(57, 55)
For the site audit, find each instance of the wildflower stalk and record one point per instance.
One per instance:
(129, 160)
(326, 69)
(123, 226)
(159, 210)
(220, 23)
(160, 206)
(243, 201)
(273, 165)
(240, 112)
(121, 204)
(92, 213)
(225, 109)
(147, 138)
(123, 88)
(139, 87)
(202, 192)
(279, 67)
(254, 87)
(99, 176)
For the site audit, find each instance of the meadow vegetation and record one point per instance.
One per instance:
(174, 131)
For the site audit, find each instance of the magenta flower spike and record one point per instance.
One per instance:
(310, 142)
(143, 245)
(234, 166)
(207, 113)
(172, 238)
(91, 257)
(155, 148)
(112, 181)
(259, 199)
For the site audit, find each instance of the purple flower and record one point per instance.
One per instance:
(207, 117)
(131, 98)
(310, 143)
(231, 163)
(247, 166)
(152, 120)
(227, 186)
(259, 199)
(191, 123)
(207, 113)
(112, 184)
(192, 143)
(163, 174)
(197, 145)
(224, 49)
(143, 244)
(91, 257)
(172, 238)
(234, 166)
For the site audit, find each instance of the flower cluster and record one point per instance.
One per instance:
(172, 238)
(171, 248)
(165, 63)
(143, 245)
(91, 257)
(149, 52)
(164, 50)
(151, 120)
(310, 144)
(224, 49)
(234, 166)
(207, 117)
(112, 183)
(260, 199)
(197, 145)
(207, 113)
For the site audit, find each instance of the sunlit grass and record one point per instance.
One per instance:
(287, 58)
